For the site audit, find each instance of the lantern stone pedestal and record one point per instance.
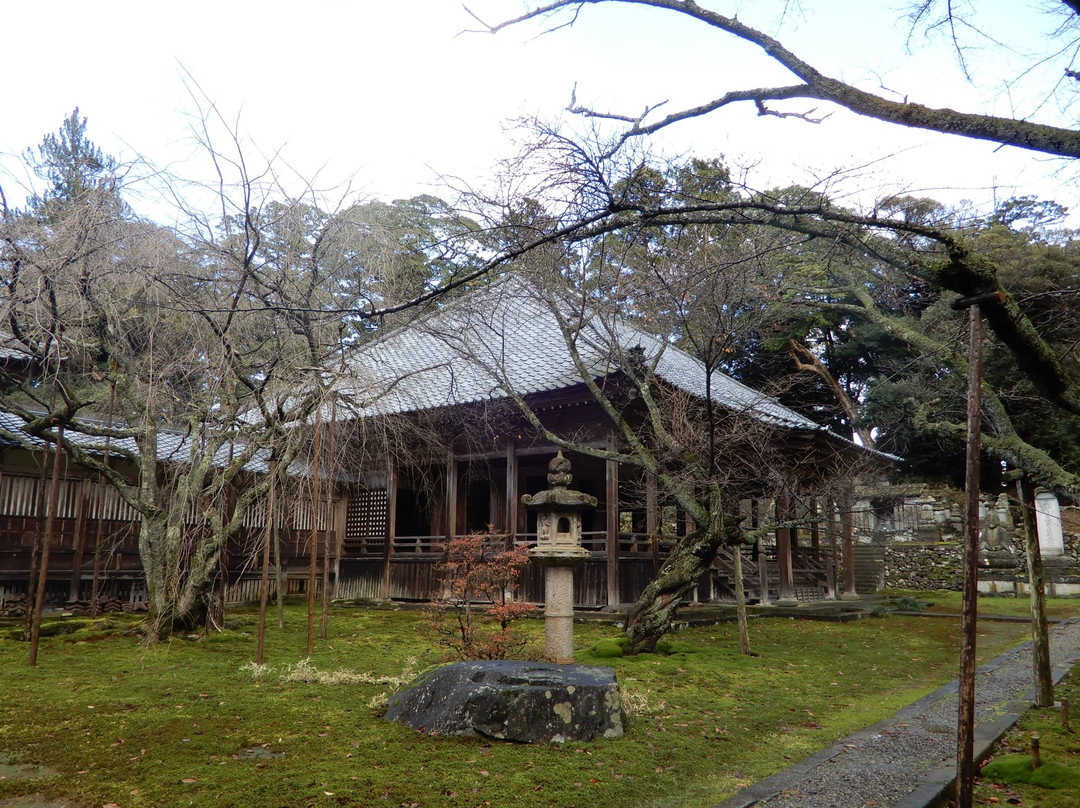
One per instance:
(559, 600)
(558, 550)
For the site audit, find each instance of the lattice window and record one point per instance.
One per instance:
(366, 522)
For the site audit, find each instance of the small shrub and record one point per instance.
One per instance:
(478, 569)
(881, 611)
(908, 604)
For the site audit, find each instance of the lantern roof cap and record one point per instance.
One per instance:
(559, 496)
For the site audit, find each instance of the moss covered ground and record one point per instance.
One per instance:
(1008, 778)
(194, 722)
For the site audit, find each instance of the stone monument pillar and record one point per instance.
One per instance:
(558, 550)
(1048, 523)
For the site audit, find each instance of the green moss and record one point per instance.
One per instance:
(608, 648)
(1009, 769)
(229, 638)
(174, 724)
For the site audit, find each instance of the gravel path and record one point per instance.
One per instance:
(905, 761)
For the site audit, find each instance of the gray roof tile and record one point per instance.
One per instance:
(507, 337)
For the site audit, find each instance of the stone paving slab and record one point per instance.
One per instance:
(908, 759)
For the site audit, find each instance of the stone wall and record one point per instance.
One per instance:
(922, 565)
(920, 530)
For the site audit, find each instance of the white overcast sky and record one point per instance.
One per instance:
(392, 93)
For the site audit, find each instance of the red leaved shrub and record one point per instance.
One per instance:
(474, 616)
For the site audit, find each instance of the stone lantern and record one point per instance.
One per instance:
(558, 550)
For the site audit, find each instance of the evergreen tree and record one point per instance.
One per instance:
(73, 165)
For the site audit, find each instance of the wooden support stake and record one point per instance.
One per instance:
(1065, 714)
(102, 493)
(314, 558)
(965, 734)
(324, 615)
(50, 525)
(1040, 637)
(1036, 758)
(264, 585)
(36, 550)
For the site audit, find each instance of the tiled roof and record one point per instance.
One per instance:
(506, 337)
(172, 446)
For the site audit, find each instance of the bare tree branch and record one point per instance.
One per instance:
(814, 85)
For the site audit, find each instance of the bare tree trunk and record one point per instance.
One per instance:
(1040, 639)
(50, 524)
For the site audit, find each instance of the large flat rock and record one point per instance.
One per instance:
(529, 702)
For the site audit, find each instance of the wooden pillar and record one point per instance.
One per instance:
(391, 529)
(830, 533)
(513, 499)
(612, 507)
(451, 497)
(847, 549)
(762, 557)
(783, 551)
(652, 520)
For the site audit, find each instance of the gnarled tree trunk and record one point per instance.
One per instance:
(690, 559)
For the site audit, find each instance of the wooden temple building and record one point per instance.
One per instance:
(442, 447)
